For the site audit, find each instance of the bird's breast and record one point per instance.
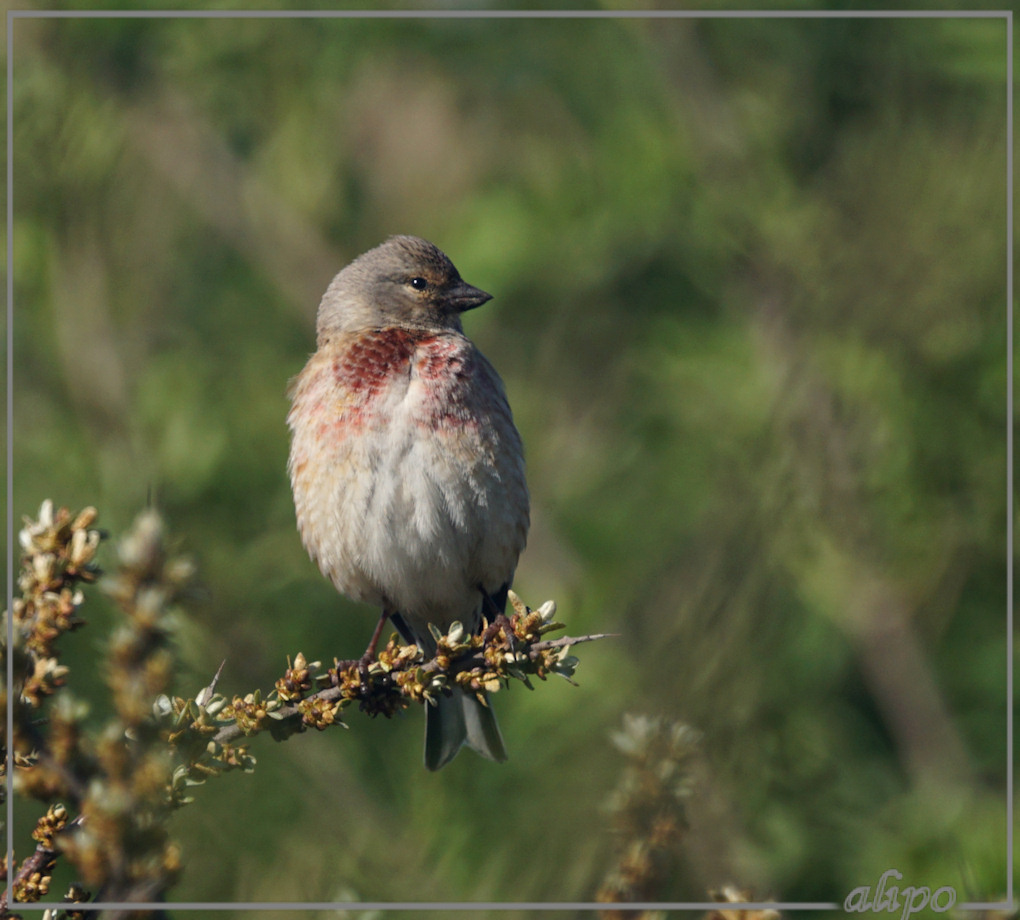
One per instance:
(407, 470)
(395, 372)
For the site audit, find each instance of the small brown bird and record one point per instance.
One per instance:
(407, 470)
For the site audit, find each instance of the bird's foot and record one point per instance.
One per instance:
(497, 619)
(366, 660)
(369, 656)
(501, 622)
(363, 664)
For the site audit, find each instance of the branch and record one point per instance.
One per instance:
(346, 685)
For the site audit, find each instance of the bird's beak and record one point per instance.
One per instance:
(462, 296)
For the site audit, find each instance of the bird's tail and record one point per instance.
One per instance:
(458, 719)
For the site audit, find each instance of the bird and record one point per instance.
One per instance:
(406, 465)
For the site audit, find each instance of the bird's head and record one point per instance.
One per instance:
(406, 281)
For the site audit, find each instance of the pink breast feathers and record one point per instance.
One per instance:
(441, 361)
(372, 360)
(452, 395)
(440, 364)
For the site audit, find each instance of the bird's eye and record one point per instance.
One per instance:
(419, 284)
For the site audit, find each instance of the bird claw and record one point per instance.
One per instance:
(363, 664)
(500, 622)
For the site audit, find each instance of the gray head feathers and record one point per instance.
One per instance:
(406, 281)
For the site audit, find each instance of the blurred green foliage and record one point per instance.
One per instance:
(751, 314)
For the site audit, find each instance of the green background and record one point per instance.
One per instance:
(750, 309)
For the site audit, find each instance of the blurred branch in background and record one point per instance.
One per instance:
(649, 811)
(110, 808)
